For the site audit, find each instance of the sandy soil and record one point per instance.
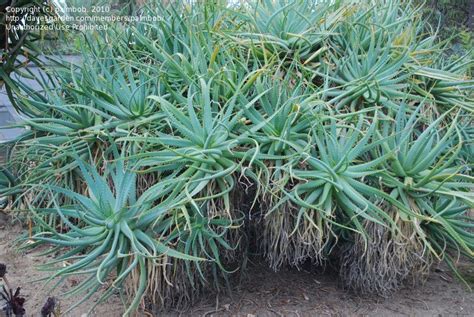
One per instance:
(262, 293)
(300, 293)
(22, 272)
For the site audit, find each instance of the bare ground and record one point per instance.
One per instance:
(262, 293)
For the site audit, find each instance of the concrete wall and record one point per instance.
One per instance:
(8, 114)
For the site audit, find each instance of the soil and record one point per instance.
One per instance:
(22, 271)
(262, 293)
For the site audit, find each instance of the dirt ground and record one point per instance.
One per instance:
(263, 293)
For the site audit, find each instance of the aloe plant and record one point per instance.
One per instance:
(445, 82)
(114, 234)
(18, 42)
(289, 29)
(424, 169)
(332, 131)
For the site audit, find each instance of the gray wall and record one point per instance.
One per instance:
(8, 115)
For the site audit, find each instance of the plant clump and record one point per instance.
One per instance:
(304, 131)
